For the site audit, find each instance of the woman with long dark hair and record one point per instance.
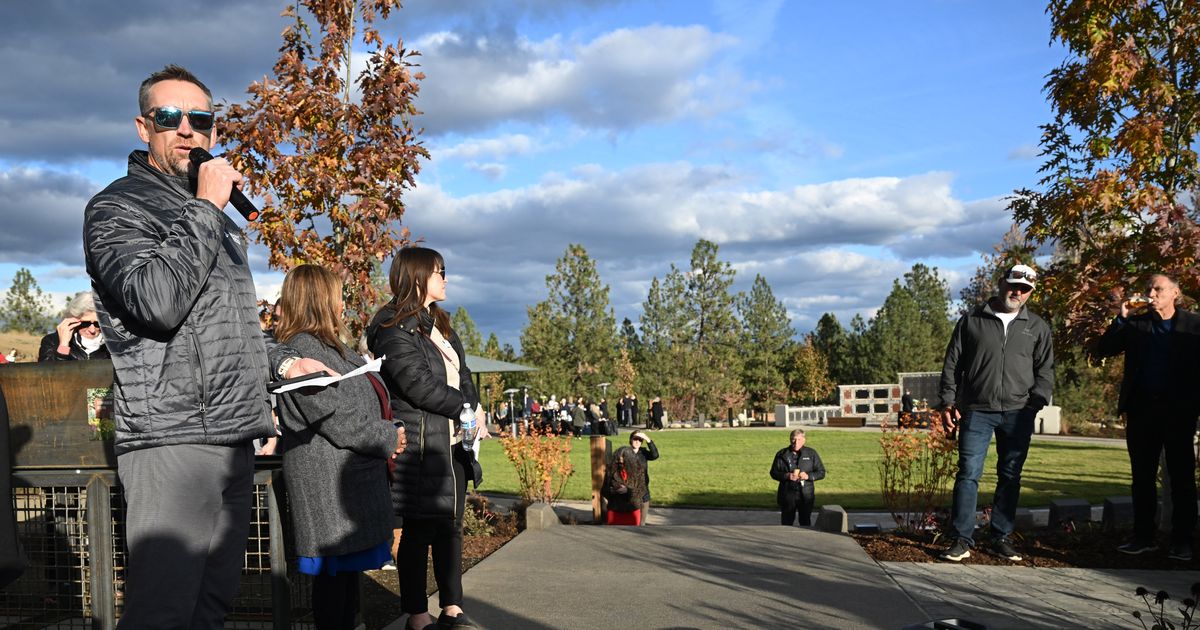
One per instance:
(426, 371)
(336, 445)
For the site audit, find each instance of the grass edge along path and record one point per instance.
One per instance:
(729, 468)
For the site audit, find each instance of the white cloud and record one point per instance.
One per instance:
(496, 148)
(619, 80)
(1025, 152)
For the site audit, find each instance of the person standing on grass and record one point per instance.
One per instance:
(1160, 399)
(998, 373)
(796, 468)
(656, 414)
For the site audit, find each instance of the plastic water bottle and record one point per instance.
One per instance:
(467, 418)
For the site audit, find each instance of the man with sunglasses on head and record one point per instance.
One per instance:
(176, 302)
(998, 373)
(1160, 397)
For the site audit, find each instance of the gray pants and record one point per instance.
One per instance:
(186, 521)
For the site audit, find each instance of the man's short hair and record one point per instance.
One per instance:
(794, 433)
(170, 72)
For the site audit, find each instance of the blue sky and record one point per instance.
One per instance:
(826, 146)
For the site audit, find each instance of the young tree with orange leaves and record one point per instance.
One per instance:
(331, 155)
(1117, 197)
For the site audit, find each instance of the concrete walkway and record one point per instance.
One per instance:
(705, 568)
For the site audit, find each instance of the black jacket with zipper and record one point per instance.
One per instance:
(1133, 337)
(415, 373)
(787, 460)
(176, 302)
(986, 370)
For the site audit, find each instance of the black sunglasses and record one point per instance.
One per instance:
(441, 272)
(88, 324)
(1022, 275)
(171, 117)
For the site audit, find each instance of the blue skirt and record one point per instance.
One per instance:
(364, 560)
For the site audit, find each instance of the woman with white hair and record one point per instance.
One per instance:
(77, 337)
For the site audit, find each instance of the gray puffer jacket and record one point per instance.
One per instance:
(177, 306)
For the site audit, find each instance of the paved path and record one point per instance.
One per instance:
(707, 568)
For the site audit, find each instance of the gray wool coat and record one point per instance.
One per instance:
(335, 450)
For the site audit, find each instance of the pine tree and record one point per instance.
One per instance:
(707, 365)
(765, 343)
(830, 339)
(26, 306)
(572, 335)
(467, 331)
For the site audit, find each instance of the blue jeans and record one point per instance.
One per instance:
(1013, 430)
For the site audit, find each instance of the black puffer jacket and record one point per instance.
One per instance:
(177, 306)
(426, 484)
(48, 350)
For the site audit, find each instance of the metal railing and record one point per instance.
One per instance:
(71, 527)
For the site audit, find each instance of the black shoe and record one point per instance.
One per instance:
(1003, 548)
(458, 621)
(959, 550)
(1180, 551)
(1134, 547)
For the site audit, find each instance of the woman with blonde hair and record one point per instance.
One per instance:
(426, 370)
(336, 445)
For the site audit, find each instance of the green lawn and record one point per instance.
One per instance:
(729, 468)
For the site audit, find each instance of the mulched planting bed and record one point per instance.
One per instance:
(1084, 549)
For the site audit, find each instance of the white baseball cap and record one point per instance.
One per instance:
(1021, 274)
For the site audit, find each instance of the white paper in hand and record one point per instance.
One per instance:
(326, 381)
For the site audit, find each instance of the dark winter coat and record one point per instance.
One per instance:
(176, 302)
(634, 481)
(1132, 336)
(986, 370)
(48, 350)
(647, 453)
(415, 372)
(787, 460)
(335, 451)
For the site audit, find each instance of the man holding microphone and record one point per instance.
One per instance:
(176, 302)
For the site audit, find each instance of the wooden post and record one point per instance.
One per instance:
(281, 592)
(100, 553)
(600, 446)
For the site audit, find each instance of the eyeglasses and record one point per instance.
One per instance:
(1019, 288)
(170, 118)
(1017, 274)
(441, 272)
(89, 324)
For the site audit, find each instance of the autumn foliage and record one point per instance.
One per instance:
(916, 471)
(1117, 194)
(330, 154)
(543, 464)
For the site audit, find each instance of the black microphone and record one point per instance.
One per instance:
(199, 156)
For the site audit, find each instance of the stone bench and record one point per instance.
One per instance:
(1076, 511)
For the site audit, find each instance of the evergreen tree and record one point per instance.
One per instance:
(830, 339)
(572, 335)
(26, 306)
(468, 333)
(860, 352)
(711, 364)
(898, 337)
(766, 339)
(663, 334)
